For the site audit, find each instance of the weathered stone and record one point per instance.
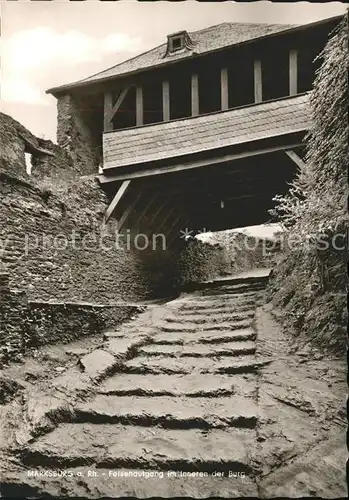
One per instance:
(219, 317)
(208, 350)
(174, 385)
(136, 483)
(119, 446)
(207, 337)
(121, 347)
(192, 327)
(97, 363)
(143, 364)
(170, 412)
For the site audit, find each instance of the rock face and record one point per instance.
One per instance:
(154, 412)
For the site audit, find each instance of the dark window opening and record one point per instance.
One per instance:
(241, 83)
(306, 69)
(275, 75)
(209, 90)
(152, 102)
(177, 43)
(126, 114)
(180, 96)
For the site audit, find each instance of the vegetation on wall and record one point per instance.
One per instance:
(310, 279)
(201, 261)
(247, 252)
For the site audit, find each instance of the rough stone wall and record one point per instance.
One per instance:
(12, 156)
(12, 325)
(75, 135)
(52, 245)
(51, 237)
(201, 261)
(25, 325)
(56, 168)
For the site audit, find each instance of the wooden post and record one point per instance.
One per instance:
(139, 106)
(224, 89)
(166, 101)
(108, 109)
(258, 96)
(194, 95)
(293, 71)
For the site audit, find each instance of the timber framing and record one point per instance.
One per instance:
(165, 63)
(293, 72)
(295, 158)
(127, 212)
(224, 89)
(111, 109)
(258, 85)
(119, 194)
(134, 173)
(166, 100)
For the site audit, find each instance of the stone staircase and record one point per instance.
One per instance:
(183, 406)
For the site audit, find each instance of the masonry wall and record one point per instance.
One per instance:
(52, 245)
(25, 325)
(52, 242)
(79, 132)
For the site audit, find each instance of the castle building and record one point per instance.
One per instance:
(200, 132)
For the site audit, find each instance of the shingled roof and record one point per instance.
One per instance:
(206, 132)
(204, 41)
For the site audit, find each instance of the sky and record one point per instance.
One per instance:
(46, 44)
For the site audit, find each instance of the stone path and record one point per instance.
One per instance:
(168, 405)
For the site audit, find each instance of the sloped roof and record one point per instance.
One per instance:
(176, 138)
(205, 40)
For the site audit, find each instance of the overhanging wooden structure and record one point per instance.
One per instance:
(209, 179)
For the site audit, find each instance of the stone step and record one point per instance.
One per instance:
(136, 483)
(223, 298)
(211, 386)
(169, 412)
(132, 447)
(213, 317)
(231, 364)
(207, 337)
(220, 307)
(193, 327)
(234, 290)
(197, 350)
(244, 282)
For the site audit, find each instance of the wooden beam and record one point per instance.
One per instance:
(293, 72)
(139, 106)
(258, 94)
(195, 164)
(127, 212)
(166, 219)
(295, 158)
(224, 89)
(119, 101)
(166, 101)
(119, 194)
(108, 109)
(157, 212)
(175, 228)
(145, 210)
(194, 94)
